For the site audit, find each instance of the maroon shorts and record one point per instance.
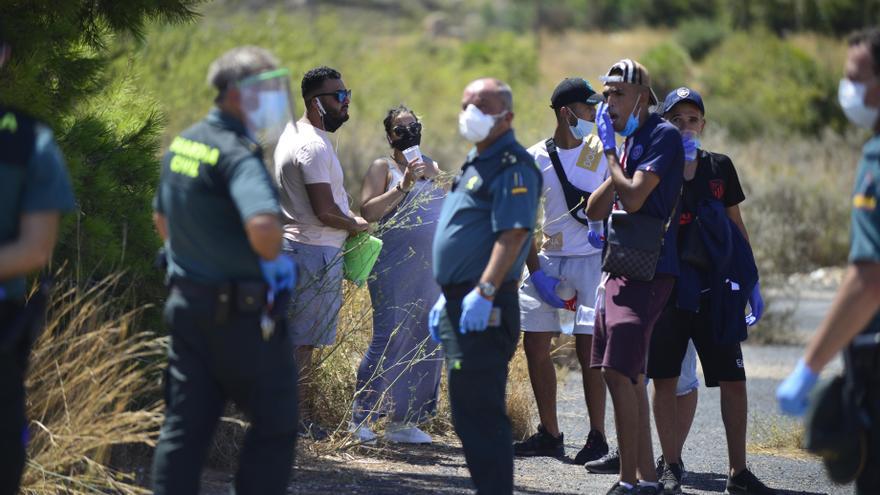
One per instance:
(623, 330)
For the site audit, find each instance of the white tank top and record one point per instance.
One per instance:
(396, 174)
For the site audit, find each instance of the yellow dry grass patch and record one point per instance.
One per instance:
(92, 386)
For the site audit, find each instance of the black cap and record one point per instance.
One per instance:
(574, 90)
(683, 94)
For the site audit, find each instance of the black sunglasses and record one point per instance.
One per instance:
(340, 94)
(412, 128)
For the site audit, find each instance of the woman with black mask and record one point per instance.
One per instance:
(399, 377)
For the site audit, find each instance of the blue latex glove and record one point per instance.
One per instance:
(475, 311)
(756, 303)
(605, 128)
(596, 234)
(793, 392)
(279, 273)
(690, 143)
(434, 318)
(545, 285)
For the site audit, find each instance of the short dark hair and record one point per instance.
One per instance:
(871, 38)
(394, 113)
(314, 78)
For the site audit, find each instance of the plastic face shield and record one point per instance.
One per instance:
(267, 104)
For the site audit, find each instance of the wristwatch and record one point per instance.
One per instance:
(487, 289)
(401, 189)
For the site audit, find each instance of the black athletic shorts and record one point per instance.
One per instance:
(721, 362)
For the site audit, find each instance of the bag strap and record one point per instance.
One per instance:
(575, 199)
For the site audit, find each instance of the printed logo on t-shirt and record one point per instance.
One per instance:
(636, 152)
(717, 187)
(589, 158)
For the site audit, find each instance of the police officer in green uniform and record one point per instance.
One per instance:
(853, 323)
(480, 247)
(217, 211)
(34, 191)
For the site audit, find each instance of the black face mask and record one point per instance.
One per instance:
(333, 122)
(406, 142)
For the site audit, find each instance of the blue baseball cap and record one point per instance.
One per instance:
(683, 94)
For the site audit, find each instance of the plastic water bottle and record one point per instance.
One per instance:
(567, 292)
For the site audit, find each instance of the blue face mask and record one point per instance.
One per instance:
(582, 129)
(632, 122)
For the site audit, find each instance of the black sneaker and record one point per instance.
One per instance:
(311, 430)
(670, 480)
(661, 463)
(607, 464)
(746, 483)
(618, 489)
(541, 444)
(595, 448)
(652, 489)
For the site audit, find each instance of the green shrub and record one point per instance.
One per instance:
(767, 85)
(670, 67)
(699, 36)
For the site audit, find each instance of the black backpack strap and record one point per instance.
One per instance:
(575, 199)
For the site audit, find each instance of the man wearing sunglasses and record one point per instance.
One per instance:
(217, 212)
(317, 219)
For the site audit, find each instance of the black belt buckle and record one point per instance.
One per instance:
(250, 297)
(222, 302)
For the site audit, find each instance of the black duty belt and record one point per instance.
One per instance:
(864, 356)
(238, 296)
(458, 291)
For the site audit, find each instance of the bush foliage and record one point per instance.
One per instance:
(107, 128)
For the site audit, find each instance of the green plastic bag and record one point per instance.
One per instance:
(360, 254)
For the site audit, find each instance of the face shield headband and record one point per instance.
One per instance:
(267, 104)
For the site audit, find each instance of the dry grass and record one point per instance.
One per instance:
(91, 387)
(778, 439)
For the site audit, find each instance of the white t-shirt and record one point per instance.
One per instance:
(585, 167)
(305, 155)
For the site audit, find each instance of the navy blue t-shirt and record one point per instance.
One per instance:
(656, 147)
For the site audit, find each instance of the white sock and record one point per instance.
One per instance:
(625, 485)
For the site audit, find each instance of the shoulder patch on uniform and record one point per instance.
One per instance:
(519, 186)
(865, 197)
(8, 122)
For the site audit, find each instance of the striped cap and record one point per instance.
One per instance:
(631, 72)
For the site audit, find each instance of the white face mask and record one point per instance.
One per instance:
(474, 125)
(851, 96)
(582, 129)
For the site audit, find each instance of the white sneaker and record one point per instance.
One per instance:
(362, 433)
(406, 434)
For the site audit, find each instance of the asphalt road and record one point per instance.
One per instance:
(440, 468)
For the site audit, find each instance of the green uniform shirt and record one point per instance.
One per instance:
(497, 190)
(865, 236)
(213, 180)
(33, 179)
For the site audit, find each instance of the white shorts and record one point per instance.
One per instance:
(583, 272)
(687, 380)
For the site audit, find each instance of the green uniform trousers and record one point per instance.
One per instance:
(477, 364)
(13, 363)
(210, 362)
